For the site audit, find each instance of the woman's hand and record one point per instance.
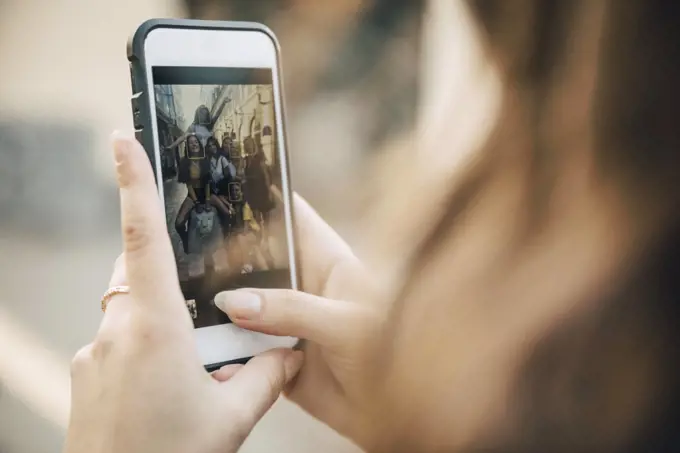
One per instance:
(340, 323)
(140, 385)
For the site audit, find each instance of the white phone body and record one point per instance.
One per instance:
(198, 48)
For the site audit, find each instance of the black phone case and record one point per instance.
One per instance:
(141, 110)
(141, 114)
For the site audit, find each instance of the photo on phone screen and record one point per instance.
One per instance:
(222, 182)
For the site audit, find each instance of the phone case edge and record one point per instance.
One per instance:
(136, 59)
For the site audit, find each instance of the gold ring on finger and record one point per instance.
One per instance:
(113, 291)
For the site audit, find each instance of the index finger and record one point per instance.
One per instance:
(149, 258)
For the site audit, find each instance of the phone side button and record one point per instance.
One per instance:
(134, 99)
(133, 79)
(137, 119)
(136, 111)
(139, 136)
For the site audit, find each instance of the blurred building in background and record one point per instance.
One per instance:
(170, 118)
(210, 94)
(249, 113)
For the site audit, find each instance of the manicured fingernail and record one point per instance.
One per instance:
(292, 363)
(239, 304)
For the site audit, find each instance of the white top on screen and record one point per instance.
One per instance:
(209, 48)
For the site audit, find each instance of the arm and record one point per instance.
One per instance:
(183, 178)
(192, 193)
(206, 178)
(222, 205)
(260, 260)
(227, 167)
(219, 111)
(267, 174)
(176, 143)
(278, 196)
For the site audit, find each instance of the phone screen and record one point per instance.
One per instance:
(222, 182)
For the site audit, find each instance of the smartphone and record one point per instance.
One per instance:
(207, 106)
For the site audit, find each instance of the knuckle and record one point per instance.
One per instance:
(278, 303)
(136, 235)
(274, 380)
(271, 379)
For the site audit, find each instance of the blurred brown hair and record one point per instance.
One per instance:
(540, 311)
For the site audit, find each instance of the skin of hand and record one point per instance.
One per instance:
(140, 386)
(336, 317)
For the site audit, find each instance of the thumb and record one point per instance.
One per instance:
(283, 312)
(150, 264)
(254, 388)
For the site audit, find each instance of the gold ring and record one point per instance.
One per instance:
(115, 290)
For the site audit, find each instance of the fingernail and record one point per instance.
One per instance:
(239, 304)
(292, 364)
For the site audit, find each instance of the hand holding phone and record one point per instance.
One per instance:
(195, 85)
(137, 387)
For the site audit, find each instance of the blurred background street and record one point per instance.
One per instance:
(351, 72)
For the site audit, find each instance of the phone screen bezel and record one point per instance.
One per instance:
(223, 48)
